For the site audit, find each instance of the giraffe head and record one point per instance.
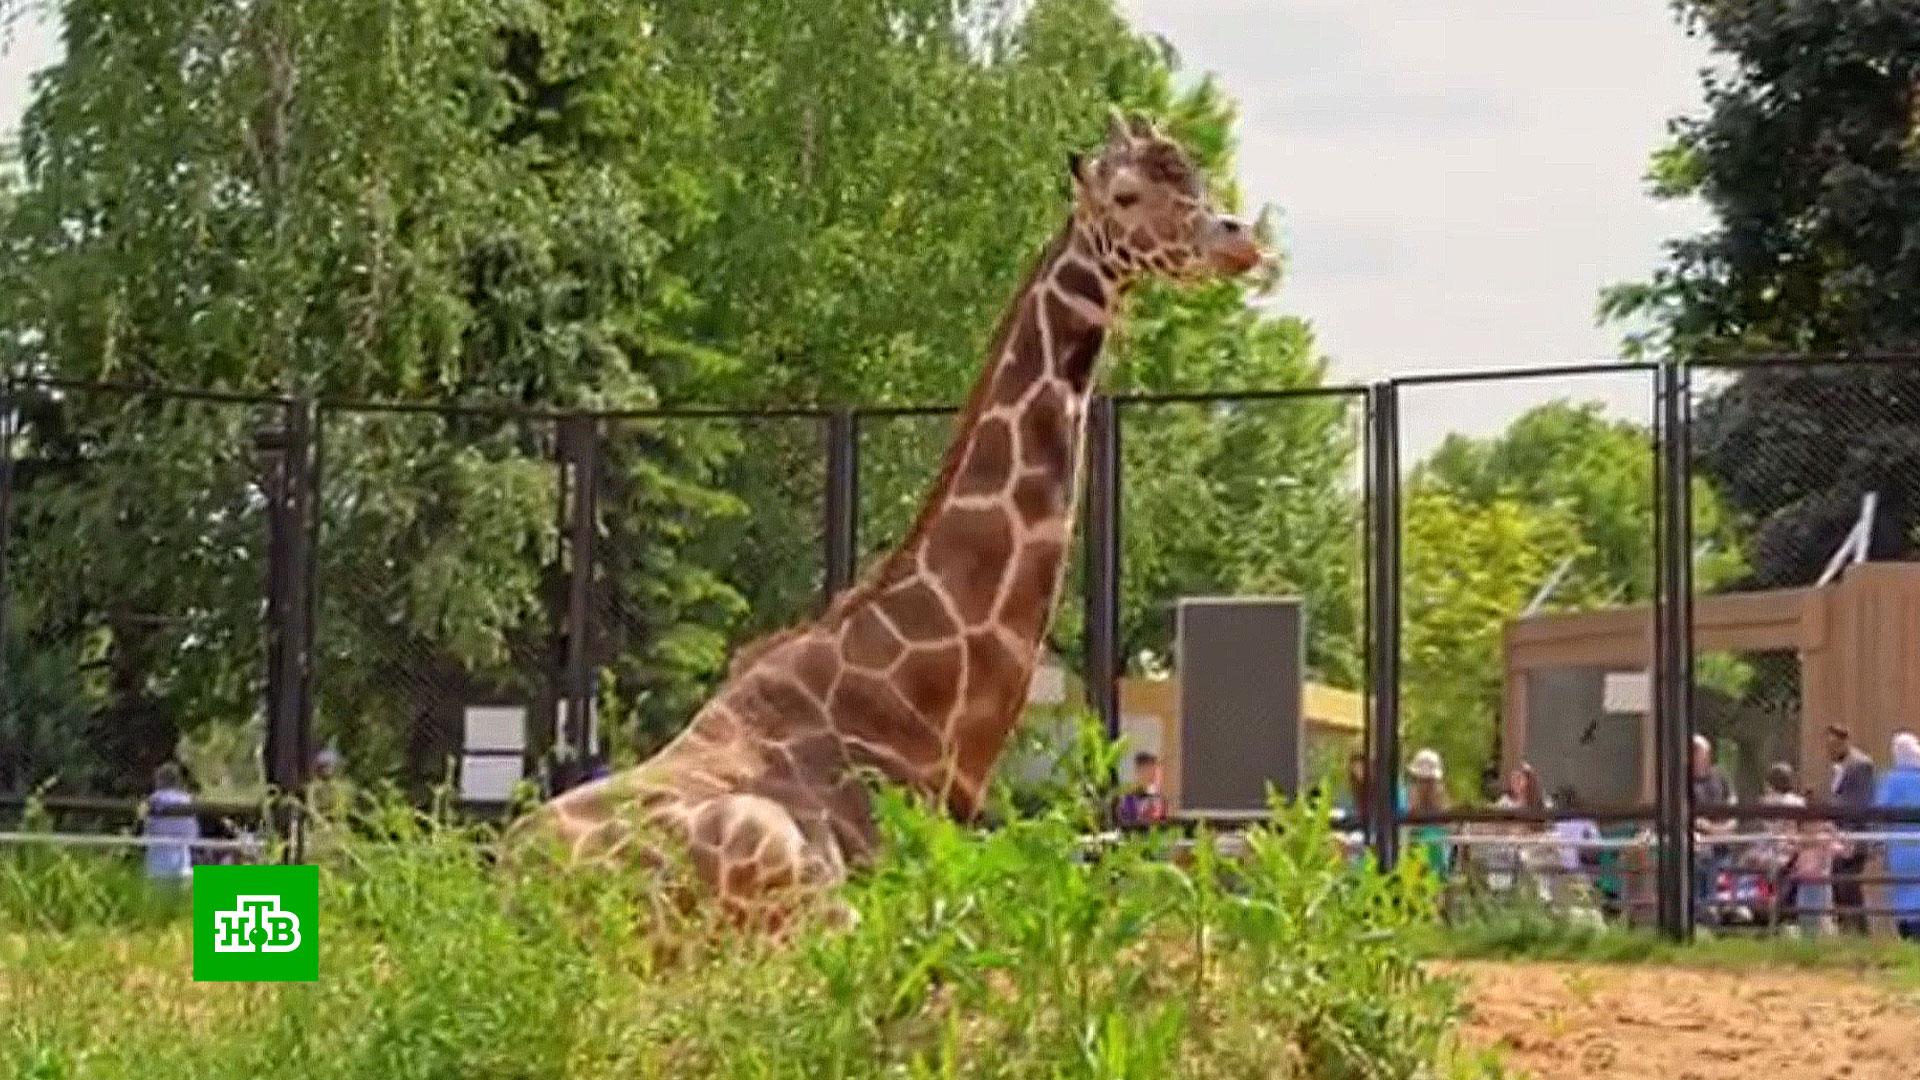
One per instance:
(1143, 207)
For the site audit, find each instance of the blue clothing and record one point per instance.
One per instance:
(1436, 840)
(1900, 787)
(170, 861)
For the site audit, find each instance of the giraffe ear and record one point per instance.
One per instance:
(1077, 171)
(1117, 128)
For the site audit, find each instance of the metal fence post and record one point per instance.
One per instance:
(1673, 661)
(1383, 620)
(285, 452)
(1102, 523)
(580, 450)
(842, 524)
(7, 425)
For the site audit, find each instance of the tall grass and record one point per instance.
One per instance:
(1005, 953)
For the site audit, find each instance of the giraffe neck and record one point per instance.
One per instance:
(971, 588)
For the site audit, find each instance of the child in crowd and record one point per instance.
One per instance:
(170, 862)
(1819, 844)
(1143, 806)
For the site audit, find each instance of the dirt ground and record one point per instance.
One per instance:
(1562, 1021)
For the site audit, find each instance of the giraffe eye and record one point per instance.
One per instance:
(1126, 199)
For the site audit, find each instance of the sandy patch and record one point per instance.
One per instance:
(1562, 1021)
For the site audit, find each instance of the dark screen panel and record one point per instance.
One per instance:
(1241, 661)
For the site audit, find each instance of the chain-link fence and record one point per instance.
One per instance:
(1806, 527)
(710, 533)
(1540, 585)
(135, 534)
(1525, 588)
(1252, 504)
(438, 585)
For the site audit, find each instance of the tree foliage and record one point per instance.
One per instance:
(1490, 522)
(1468, 569)
(565, 204)
(1570, 456)
(446, 200)
(1808, 154)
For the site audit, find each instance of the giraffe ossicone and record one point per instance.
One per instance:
(920, 670)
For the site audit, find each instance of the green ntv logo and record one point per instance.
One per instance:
(256, 923)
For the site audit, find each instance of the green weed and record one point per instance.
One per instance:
(1010, 952)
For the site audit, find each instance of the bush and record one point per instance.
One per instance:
(1014, 952)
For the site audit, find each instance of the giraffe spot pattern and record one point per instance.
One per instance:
(996, 687)
(930, 681)
(781, 875)
(870, 642)
(716, 725)
(815, 665)
(742, 841)
(989, 459)
(741, 879)
(1025, 360)
(913, 606)
(770, 697)
(1082, 282)
(1045, 442)
(1029, 596)
(868, 710)
(1076, 344)
(1038, 498)
(817, 757)
(967, 552)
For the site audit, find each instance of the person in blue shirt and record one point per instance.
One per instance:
(1900, 788)
(170, 863)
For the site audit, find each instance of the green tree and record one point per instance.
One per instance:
(570, 204)
(1570, 456)
(1469, 568)
(444, 200)
(890, 169)
(1808, 154)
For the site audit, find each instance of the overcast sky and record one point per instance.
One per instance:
(1456, 179)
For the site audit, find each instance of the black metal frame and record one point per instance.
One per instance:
(286, 468)
(6, 509)
(1101, 523)
(1673, 653)
(841, 531)
(1383, 622)
(292, 475)
(579, 439)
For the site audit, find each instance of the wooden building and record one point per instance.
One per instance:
(1576, 700)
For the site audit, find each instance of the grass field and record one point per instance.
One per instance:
(996, 954)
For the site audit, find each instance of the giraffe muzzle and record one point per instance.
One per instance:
(1232, 248)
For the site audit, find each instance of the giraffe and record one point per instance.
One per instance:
(920, 670)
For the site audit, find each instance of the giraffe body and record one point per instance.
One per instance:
(921, 669)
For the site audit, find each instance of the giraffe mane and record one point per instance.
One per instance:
(747, 655)
(896, 565)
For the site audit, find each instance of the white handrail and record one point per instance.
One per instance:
(113, 840)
